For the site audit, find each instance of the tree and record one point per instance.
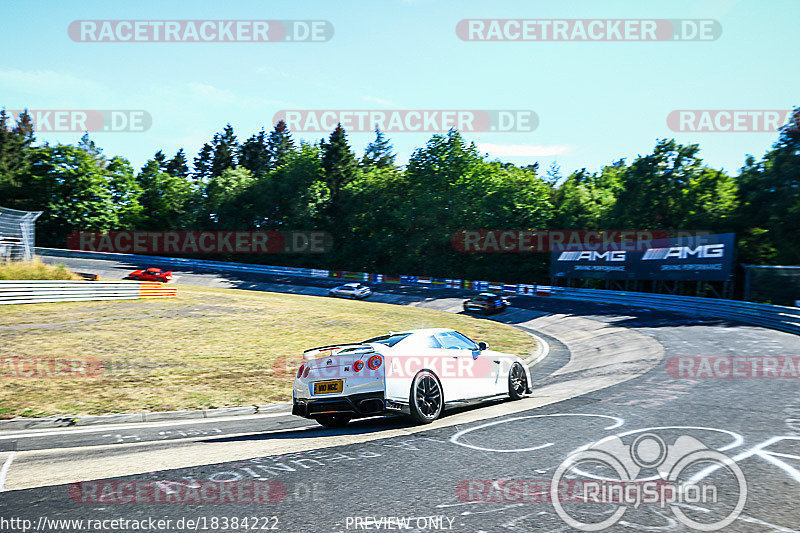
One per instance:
(15, 150)
(161, 159)
(292, 195)
(769, 192)
(254, 155)
(338, 168)
(226, 204)
(379, 152)
(279, 145)
(655, 186)
(165, 199)
(202, 164)
(225, 149)
(125, 192)
(73, 190)
(177, 166)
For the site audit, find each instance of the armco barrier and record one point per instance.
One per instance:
(43, 291)
(770, 316)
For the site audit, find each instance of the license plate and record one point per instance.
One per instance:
(328, 387)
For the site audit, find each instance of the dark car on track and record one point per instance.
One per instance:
(151, 274)
(486, 302)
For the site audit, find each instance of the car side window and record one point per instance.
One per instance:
(471, 345)
(452, 340)
(421, 341)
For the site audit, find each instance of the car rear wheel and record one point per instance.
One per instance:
(426, 401)
(517, 381)
(333, 420)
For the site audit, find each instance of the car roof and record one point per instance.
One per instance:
(423, 331)
(487, 294)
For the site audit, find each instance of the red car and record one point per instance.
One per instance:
(151, 274)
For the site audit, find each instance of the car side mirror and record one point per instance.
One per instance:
(483, 346)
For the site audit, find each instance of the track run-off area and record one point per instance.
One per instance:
(609, 371)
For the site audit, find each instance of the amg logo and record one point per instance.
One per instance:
(704, 251)
(610, 255)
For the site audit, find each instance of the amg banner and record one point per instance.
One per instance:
(701, 258)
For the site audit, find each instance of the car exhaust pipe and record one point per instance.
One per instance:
(371, 406)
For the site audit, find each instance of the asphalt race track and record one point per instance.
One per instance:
(484, 468)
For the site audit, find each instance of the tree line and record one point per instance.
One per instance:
(392, 219)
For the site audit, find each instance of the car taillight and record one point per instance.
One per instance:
(374, 362)
(358, 365)
(305, 374)
(300, 370)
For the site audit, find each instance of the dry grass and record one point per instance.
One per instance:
(207, 348)
(34, 270)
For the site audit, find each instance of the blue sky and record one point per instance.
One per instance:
(596, 102)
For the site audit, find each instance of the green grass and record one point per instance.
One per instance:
(207, 348)
(34, 270)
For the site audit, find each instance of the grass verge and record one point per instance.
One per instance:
(207, 348)
(34, 270)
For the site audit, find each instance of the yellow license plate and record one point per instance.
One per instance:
(328, 387)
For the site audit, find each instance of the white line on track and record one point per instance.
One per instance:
(114, 427)
(4, 471)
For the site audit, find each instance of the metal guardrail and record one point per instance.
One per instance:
(44, 291)
(769, 316)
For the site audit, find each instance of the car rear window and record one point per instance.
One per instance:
(388, 340)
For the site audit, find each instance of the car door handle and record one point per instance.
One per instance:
(496, 361)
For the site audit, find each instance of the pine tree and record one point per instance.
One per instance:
(279, 145)
(202, 164)
(161, 159)
(87, 145)
(254, 154)
(338, 166)
(15, 157)
(177, 166)
(225, 149)
(379, 152)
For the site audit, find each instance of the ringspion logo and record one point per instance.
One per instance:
(409, 120)
(588, 30)
(200, 31)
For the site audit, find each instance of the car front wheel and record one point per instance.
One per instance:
(426, 401)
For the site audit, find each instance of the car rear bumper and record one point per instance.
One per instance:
(356, 405)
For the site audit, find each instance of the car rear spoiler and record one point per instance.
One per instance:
(335, 349)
